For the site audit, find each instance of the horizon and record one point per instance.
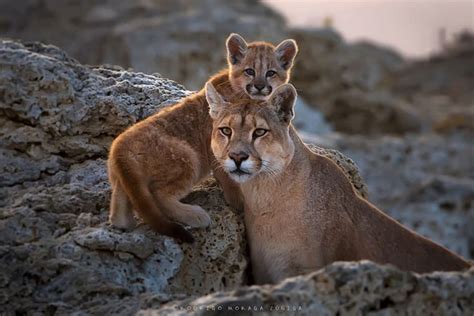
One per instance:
(413, 28)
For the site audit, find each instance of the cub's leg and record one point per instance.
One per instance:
(164, 169)
(186, 214)
(232, 193)
(121, 213)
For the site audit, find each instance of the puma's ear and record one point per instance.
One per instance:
(286, 52)
(283, 99)
(214, 99)
(236, 48)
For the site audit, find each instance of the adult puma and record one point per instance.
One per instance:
(301, 212)
(155, 163)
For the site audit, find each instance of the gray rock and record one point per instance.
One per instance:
(363, 88)
(341, 289)
(309, 119)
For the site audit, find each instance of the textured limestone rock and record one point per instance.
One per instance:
(362, 288)
(57, 254)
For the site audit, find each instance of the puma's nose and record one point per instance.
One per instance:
(238, 158)
(259, 86)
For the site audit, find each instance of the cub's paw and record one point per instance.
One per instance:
(193, 216)
(123, 222)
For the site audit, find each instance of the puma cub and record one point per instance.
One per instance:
(301, 212)
(156, 162)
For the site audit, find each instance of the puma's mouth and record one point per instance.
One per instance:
(240, 176)
(240, 172)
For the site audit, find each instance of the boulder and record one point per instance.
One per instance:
(342, 288)
(346, 82)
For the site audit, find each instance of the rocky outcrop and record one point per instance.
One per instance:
(344, 81)
(363, 88)
(57, 253)
(342, 289)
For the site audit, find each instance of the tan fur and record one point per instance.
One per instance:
(301, 212)
(156, 162)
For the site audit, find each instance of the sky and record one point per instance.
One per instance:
(410, 26)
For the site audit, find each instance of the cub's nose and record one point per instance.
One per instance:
(238, 158)
(259, 86)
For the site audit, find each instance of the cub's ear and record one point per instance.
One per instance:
(214, 99)
(236, 48)
(283, 99)
(286, 52)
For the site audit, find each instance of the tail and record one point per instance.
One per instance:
(143, 201)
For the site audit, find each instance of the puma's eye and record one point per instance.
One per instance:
(226, 131)
(250, 72)
(270, 73)
(259, 132)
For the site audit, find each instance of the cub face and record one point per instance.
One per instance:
(259, 68)
(251, 138)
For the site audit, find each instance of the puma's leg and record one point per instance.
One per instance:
(232, 193)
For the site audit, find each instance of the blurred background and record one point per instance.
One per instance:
(388, 83)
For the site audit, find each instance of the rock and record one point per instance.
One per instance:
(366, 89)
(448, 76)
(342, 288)
(354, 112)
(183, 40)
(326, 64)
(57, 254)
(344, 82)
(309, 119)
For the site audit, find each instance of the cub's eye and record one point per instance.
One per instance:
(250, 72)
(270, 73)
(259, 132)
(226, 131)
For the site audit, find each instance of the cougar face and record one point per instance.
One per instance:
(259, 68)
(251, 137)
